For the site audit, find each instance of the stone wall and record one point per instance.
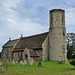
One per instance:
(40, 55)
(7, 53)
(45, 50)
(15, 56)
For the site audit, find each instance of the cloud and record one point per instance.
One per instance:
(16, 19)
(70, 1)
(70, 16)
(70, 19)
(29, 17)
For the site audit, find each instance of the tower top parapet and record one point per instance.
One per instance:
(54, 10)
(57, 18)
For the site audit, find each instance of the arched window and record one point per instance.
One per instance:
(51, 19)
(56, 17)
(62, 18)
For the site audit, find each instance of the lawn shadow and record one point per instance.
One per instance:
(70, 69)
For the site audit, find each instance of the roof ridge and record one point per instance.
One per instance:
(35, 35)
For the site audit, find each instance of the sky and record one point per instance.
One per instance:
(30, 17)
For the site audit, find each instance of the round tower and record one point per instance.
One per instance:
(57, 35)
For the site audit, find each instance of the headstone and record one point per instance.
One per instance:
(10, 60)
(60, 62)
(16, 62)
(21, 62)
(31, 61)
(0, 59)
(13, 62)
(25, 62)
(5, 62)
(3, 69)
(66, 61)
(0, 63)
(39, 64)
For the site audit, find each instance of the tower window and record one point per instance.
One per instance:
(51, 19)
(62, 18)
(63, 50)
(56, 17)
(63, 34)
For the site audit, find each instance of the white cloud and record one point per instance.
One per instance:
(28, 17)
(70, 1)
(70, 16)
(70, 19)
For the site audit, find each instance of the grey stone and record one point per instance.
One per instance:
(13, 62)
(66, 61)
(0, 63)
(21, 62)
(5, 62)
(31, 61)
(25, 62)
(16, 62)
(3, 69)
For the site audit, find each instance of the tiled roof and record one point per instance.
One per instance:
(31, 42)
(10, 43)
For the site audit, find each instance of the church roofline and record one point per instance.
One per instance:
(35, 35)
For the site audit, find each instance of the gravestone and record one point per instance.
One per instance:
(39, 64)
(16, 62)
(13, 62)
(25, 62)
(31, 61)
(5, 62)
(3, 69)
(21, 62)
(10, 60)
(0, 63)
(66, 61)
(60, 62)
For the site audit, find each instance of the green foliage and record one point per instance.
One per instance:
(70, 40)
(0, 54)
(72, 63)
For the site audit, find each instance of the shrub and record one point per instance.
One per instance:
(0, 54)
(72, 63)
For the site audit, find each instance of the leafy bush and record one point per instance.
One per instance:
(72, 63)
(0, 54)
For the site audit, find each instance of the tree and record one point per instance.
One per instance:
(72, 63)
(70, 40)
(0, 54)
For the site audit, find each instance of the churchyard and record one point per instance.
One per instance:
(47, 68)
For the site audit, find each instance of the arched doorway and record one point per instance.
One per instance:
(26, 58)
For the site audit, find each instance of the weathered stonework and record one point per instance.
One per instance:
(45, 50)
(7, 53)
(57, 36)
(15, 56)
(40, 55)
(26, 55)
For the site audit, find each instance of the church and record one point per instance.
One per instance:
(48, 46)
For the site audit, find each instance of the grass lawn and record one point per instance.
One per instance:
(49, 68)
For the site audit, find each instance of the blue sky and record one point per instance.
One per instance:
(30, 17)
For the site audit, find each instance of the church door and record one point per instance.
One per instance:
(26, 58)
